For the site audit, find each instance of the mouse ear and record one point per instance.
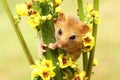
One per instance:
(84, 29)
(61, 18)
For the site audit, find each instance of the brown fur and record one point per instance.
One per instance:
(70, 26)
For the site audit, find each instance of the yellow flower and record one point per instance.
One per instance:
(49, 16)
(34, 20)
(88, 48)
(44, 18)
(89, 8)
(88, 39)
(57, 2)
(82, 74)
(88, 42)
(79, 76)
(97, 21)
(58, 9)
(44, 69)
(22, 9)
(46, 74)
(35, 70)
(47, 69)
(90, 27)
(95, 62)
(74, 64)
(48, 64)
(64, 61)
(88, 16)
(35, 73)
(94, 13)
(43, 0)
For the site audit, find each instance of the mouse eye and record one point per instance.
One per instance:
(60, 32)
(72, 37)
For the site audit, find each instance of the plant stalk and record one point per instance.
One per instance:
(48, 37)
(85, 61)
(92, 52)
(47, 29)
(81, 16)
(80, 10)
(18, 33)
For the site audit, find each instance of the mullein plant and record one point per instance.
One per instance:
(41, 15)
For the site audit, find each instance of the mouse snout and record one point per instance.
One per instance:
(61, 44)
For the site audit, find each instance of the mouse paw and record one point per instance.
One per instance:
(43, 47)
(52, 46)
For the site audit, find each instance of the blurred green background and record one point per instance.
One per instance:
(14, 65)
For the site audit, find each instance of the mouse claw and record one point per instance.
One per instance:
(52, 46)
(43, 47)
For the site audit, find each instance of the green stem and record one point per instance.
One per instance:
(85, 61)
(18, 33)
(48, 37)
(47, 29)
(92, 52)
(80, 10)
(81, 16)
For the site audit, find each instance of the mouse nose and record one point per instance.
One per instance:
(62, 44)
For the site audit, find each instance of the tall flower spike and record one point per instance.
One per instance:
(92, 14)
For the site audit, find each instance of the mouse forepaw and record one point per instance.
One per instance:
(52, 46)
(43, 47)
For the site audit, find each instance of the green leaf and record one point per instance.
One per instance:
(36, 6)
(38, 78)
(69, 71)
(45, 9)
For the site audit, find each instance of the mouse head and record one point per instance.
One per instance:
(69, 32)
